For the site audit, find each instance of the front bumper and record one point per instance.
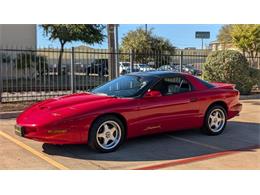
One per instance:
(48, 136)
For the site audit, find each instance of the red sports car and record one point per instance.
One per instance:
(129, 106)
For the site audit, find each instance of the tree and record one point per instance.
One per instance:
(145, 42)
(245, 37)
(65, 33)
(224, 35)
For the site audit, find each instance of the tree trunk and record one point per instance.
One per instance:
(59, 66)
(111, 48)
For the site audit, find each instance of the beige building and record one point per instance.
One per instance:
(216, 46)
(18, 36)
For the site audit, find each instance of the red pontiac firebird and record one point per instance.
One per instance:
(129, 106)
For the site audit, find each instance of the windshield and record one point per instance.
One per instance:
(125, 63)
(189, 66)
(124, 86)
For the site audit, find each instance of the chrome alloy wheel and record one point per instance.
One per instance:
(216, 120)
(108, 135)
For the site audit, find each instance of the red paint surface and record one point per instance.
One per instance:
(75, 113)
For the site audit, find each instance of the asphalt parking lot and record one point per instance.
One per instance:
(237, 148)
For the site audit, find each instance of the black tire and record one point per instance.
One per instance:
(93, 140)
(206, 126)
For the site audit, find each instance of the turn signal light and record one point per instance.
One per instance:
(57, 131)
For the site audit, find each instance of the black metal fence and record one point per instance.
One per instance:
(31, 75)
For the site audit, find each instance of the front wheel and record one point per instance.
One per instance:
(215, 120)
(106, 134)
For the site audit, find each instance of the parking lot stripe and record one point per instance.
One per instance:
(193, 159)
(195, 142)
(33, 151)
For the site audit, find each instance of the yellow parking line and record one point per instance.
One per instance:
(195, 142)
(33, 151)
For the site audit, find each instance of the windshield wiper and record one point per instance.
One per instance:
(114, 96)
(104, 94)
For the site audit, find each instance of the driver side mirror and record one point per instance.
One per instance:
(152, 93)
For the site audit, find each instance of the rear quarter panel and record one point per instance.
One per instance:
(207, 97)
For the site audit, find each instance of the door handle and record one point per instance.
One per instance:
(193, 99)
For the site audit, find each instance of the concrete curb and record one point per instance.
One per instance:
(249, 97)
(8, 115)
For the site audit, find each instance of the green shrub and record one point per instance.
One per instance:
(230, 67)
(255, 75)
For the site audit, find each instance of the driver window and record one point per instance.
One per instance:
(173, 85)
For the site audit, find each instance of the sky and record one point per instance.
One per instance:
(180, 35)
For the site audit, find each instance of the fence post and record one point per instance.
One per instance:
(181, 61)
(1, 77)
(132, 53)
(72, 72)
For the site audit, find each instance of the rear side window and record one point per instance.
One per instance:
(207, 84)
(173, 85)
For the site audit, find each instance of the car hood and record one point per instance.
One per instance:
(62, 107)
(71, 101)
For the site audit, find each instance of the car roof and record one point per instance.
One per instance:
(160, 74)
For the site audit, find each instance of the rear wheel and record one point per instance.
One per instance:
(215, 120)
(106, 134)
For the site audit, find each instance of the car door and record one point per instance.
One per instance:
(176, 109)
(148, 115)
